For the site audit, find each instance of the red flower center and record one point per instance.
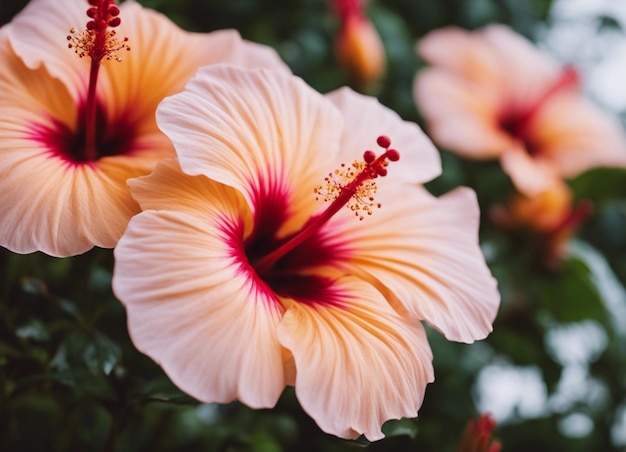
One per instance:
(99, 42)
(112, 136)
(516, 122)
(281, 263)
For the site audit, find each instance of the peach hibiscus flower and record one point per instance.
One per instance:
(491, 94)
(238, 282)
(73, 130)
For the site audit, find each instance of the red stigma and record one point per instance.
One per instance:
(97, 42)
(393, 155)
(383, 141)
(369, 156)
(104, 13)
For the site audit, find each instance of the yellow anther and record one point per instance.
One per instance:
(343, 178)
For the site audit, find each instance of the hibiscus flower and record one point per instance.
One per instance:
(238, 282)
(75, 124)
(491, 94)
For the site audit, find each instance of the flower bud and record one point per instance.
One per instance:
(358, 47)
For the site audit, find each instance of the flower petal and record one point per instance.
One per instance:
(365, 119)
(494, 57)
(66, 209)
(359, 364)
(29, 96)
(252, 130)
(575, 135)
(168, 188)
(460, 116)
(423, 253)
(190, 295)
(38, 35)
(481, 78)
(527, 72)
(228, 47)
(530, 176)
(163, 58)
(462, 53)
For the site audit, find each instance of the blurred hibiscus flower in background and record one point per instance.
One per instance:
(491, 94)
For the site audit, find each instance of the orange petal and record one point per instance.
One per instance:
(190, 294)
(462, 53)
(531, 175)
(66, 209)
(38, 35)
(360, 51)
(423, 253)
(525, 70)
(164, 57)
(461, 116)
(358, 365)
(365, 119)
(255, 131)
(574, 135)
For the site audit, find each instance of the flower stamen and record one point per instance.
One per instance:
(358, 180)
(98, 42)
(352, 186)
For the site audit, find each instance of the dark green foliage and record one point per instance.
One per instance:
(70, 378)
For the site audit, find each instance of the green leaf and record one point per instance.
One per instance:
(610, 289)
(69, 307)
(523, 349)
(400, 427)
(33, 329)
(570, 295)
(600, 184)
(34, 286)
(161, 390)
(360, 442)
(79, 350)
(605, 229)
(109, 353)
(100, 280)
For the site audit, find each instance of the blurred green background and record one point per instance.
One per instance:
(553, 373)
